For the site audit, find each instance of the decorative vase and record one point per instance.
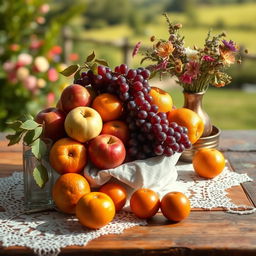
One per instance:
(36, 198)
(193, 101)
(211, 134)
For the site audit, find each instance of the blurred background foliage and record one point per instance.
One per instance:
(65, 31)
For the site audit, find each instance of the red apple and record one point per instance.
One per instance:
(116, 128)
(59, 105)
(53, 120)
(106, 151)
(74, 96)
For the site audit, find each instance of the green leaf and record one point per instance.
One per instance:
(70, 70)
(14, 138)
(77, 74)
(94, 68)
(102, 62)
(15, 125)
(33, 135)
(40, 175)
(90, 57)
(29, 125)
(38, 148)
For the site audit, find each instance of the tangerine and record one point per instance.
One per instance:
(208, 162)
(108, 106)
(162, 99)
(95, 210)
(68, 189)
(189, 119)
(175, 206)
(144, 203)
(117, 193)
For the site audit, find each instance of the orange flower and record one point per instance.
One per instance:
(227, 56)
(164, 49)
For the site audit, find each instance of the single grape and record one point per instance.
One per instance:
(131, 105)
(139, 100)
(133, 151)
(124, 87)
(138, 78)
(161, 136)
(181, 148)
(168, 151)
(162, 115)
(173, 125)
(154, 108)
(157, 128)
(175, 147)
(146, 106)
(137, 86)
(170, 131)
(155, 119)
(147, 127)
(142, 114)
(159, 150)
(178, 129)
(123, 69)
(117, 69)
(124, 96)
(140, 122)
(165, 127)
(101, 70)
(145, 73)
(177, 136)
(132, 142)
(131, 74)
(170, 140)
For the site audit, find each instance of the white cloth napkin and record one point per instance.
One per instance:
(157, 173)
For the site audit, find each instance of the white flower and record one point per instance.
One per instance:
(41, 83)
(25, 59)
(191, 54)
(22, 73)
(41, 64)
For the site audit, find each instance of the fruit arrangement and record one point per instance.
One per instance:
(107, 118)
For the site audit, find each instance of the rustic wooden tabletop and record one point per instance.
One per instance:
(203, 233)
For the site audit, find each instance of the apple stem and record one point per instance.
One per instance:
(110, 141)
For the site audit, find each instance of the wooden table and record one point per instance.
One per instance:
(203, 233)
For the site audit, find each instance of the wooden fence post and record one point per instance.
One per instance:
(126, 51)
(67, 44)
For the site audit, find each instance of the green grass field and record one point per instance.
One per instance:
(228, 109)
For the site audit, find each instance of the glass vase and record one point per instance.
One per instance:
(194, 101)
(36, 198)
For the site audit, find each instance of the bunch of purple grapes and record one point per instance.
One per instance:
(151, 134)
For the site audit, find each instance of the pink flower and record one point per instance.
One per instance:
(30, 83)
(136, 49)
(161, 65)
(208, 58)
(8, 66)
(12, 78)
(53, 75)
(50, 99)
(193, 69)
(186, 78)
(44, 8)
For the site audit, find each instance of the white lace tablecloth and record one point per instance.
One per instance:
(46, 233)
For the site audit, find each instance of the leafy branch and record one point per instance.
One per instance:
(90, 63)
(30, 131)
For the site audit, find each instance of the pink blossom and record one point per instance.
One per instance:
(30, 83)
(186, 78)
(53, 75)
(136, 49)
(50, 99)
(208, 58)
(161, 65)
(44, 8)
(12, 78)
(193, 69)
(8, 66)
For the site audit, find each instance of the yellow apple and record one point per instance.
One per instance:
(83, 124)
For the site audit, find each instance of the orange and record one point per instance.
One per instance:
(144, 203)
(68, 155)
(68, 189)
(108, 106)
(117, 193)
(95, 210)
(208, 162)
(162, 99)
(175, 206)
(117, 128)
(189, 119)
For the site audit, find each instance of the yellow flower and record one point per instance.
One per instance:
(227, 56)
(164, 49)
